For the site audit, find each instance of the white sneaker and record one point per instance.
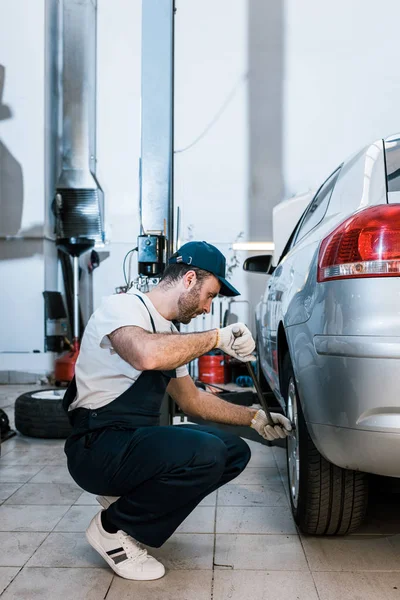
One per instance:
(105, 501)
(124, 554)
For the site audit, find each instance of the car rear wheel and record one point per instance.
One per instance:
(325, 499)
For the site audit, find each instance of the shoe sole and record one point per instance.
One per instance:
(111, 563)
(103, 502)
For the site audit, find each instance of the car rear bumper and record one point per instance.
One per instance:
(349, 387)
(369, 451)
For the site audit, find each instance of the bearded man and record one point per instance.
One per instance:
(149, 478)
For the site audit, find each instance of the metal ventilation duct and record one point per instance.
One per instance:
(79, 203)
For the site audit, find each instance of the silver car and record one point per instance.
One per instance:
(328, 338)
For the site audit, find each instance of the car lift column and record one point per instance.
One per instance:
(156, 169)
(156, 179)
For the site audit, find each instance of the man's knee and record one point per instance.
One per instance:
(239, 453)
(212, 453)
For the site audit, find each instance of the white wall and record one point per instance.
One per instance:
(118, 133)
(341, 90)
(22, 161)
(342, 83)
(22, 41)
(211, 178)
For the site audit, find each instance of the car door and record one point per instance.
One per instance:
(279, 289)
(268, 320)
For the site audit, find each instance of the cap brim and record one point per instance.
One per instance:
(227, 289)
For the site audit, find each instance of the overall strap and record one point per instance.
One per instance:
(151, 318)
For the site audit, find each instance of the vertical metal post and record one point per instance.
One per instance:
(156, 183)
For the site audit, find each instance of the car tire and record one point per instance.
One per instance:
(41, 415)
(325, 499)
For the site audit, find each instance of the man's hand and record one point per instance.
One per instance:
(237, 341)
(281, 429)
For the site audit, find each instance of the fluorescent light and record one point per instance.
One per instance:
(252, 246)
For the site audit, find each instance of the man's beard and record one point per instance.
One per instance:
(188, 305)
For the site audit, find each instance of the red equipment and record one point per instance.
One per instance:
(64, 368)
(212, 368)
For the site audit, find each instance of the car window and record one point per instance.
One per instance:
(392, 152)
(289, 243)
(318, 207)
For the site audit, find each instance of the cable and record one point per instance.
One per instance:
(123, 264)
(130, 268)
(219, 113)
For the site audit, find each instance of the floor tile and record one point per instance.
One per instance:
(358, 586)
(184, 551)
(7, 574)
(261, 456)
(175, 585)
(22, 442)
(209, 500)
(285, 484)
(66, 550)
(17, 473)
(87, 499)
(77, 518)
(46, 493)
(352, 553)
(260, 552)
(394, 541)
(258, 476)
(90, 499)
(17, 547)
(4, 402)
(238, 494)
(263, 585)
(52, 584)
(59, 474)
(35, 456)
(201, 520)
(30, 518)
(7, 489)
(280, 457)
(254, 519)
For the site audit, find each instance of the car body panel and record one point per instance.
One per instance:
(343, 336)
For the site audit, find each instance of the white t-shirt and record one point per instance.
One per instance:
(101, 374)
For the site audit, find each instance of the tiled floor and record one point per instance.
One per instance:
(239, 544)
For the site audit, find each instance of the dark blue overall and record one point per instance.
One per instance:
(161, 473)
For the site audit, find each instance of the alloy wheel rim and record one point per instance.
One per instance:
(293, 444)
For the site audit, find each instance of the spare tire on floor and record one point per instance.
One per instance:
(40, 414)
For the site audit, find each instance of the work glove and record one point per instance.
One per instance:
(237, 341)
(281, 430)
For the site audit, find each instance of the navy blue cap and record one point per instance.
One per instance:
(207, 257)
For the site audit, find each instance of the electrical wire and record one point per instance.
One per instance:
(123, 265)
(242, 79)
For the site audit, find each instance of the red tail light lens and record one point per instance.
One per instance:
(365, 245)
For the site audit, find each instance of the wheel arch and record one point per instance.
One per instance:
(283, 348)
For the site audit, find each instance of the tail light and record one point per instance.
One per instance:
(365, 245)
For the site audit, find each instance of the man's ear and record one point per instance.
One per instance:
(190, 279)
